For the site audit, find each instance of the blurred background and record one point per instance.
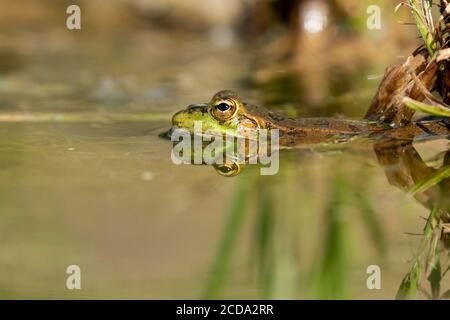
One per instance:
(105, 195)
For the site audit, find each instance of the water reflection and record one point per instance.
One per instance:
(86, 181)
(426, 177)
(406, 169)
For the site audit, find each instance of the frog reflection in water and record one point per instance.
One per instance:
(227, 114)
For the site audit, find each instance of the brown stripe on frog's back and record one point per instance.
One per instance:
(306, 130)
(325, 126)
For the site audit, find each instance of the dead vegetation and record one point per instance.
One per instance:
(422, 81)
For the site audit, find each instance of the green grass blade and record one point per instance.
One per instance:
(266, 216)
(431, 222)
(423, 107)
(431, 181)
(435, 278)
(421, 11)
(233, 224)
(410, 283)
(331, 274)
(372, 224)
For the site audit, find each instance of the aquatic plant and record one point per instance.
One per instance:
(435, 38)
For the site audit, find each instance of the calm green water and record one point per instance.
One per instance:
(106, 196)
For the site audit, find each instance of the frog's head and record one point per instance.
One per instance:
(224, 114)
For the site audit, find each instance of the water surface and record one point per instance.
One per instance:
(106, 196)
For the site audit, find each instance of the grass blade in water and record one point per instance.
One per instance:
(373, 225)
(219, 269)
(332, 273)
(410, 283)
(431, 181)
(264, 235)
(435, 278)
(439, 111)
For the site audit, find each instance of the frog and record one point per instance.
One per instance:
(226, 113)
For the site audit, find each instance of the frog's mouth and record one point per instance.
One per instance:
(166, 135)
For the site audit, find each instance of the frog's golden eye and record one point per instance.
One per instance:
(228, 169)
(224, 110)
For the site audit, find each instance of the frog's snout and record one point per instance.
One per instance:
(182, 116)
(176, 118)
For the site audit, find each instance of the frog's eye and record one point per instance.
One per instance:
(224, 110)
(228, 169)
(223, 107)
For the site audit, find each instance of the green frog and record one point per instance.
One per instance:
(227, 114)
